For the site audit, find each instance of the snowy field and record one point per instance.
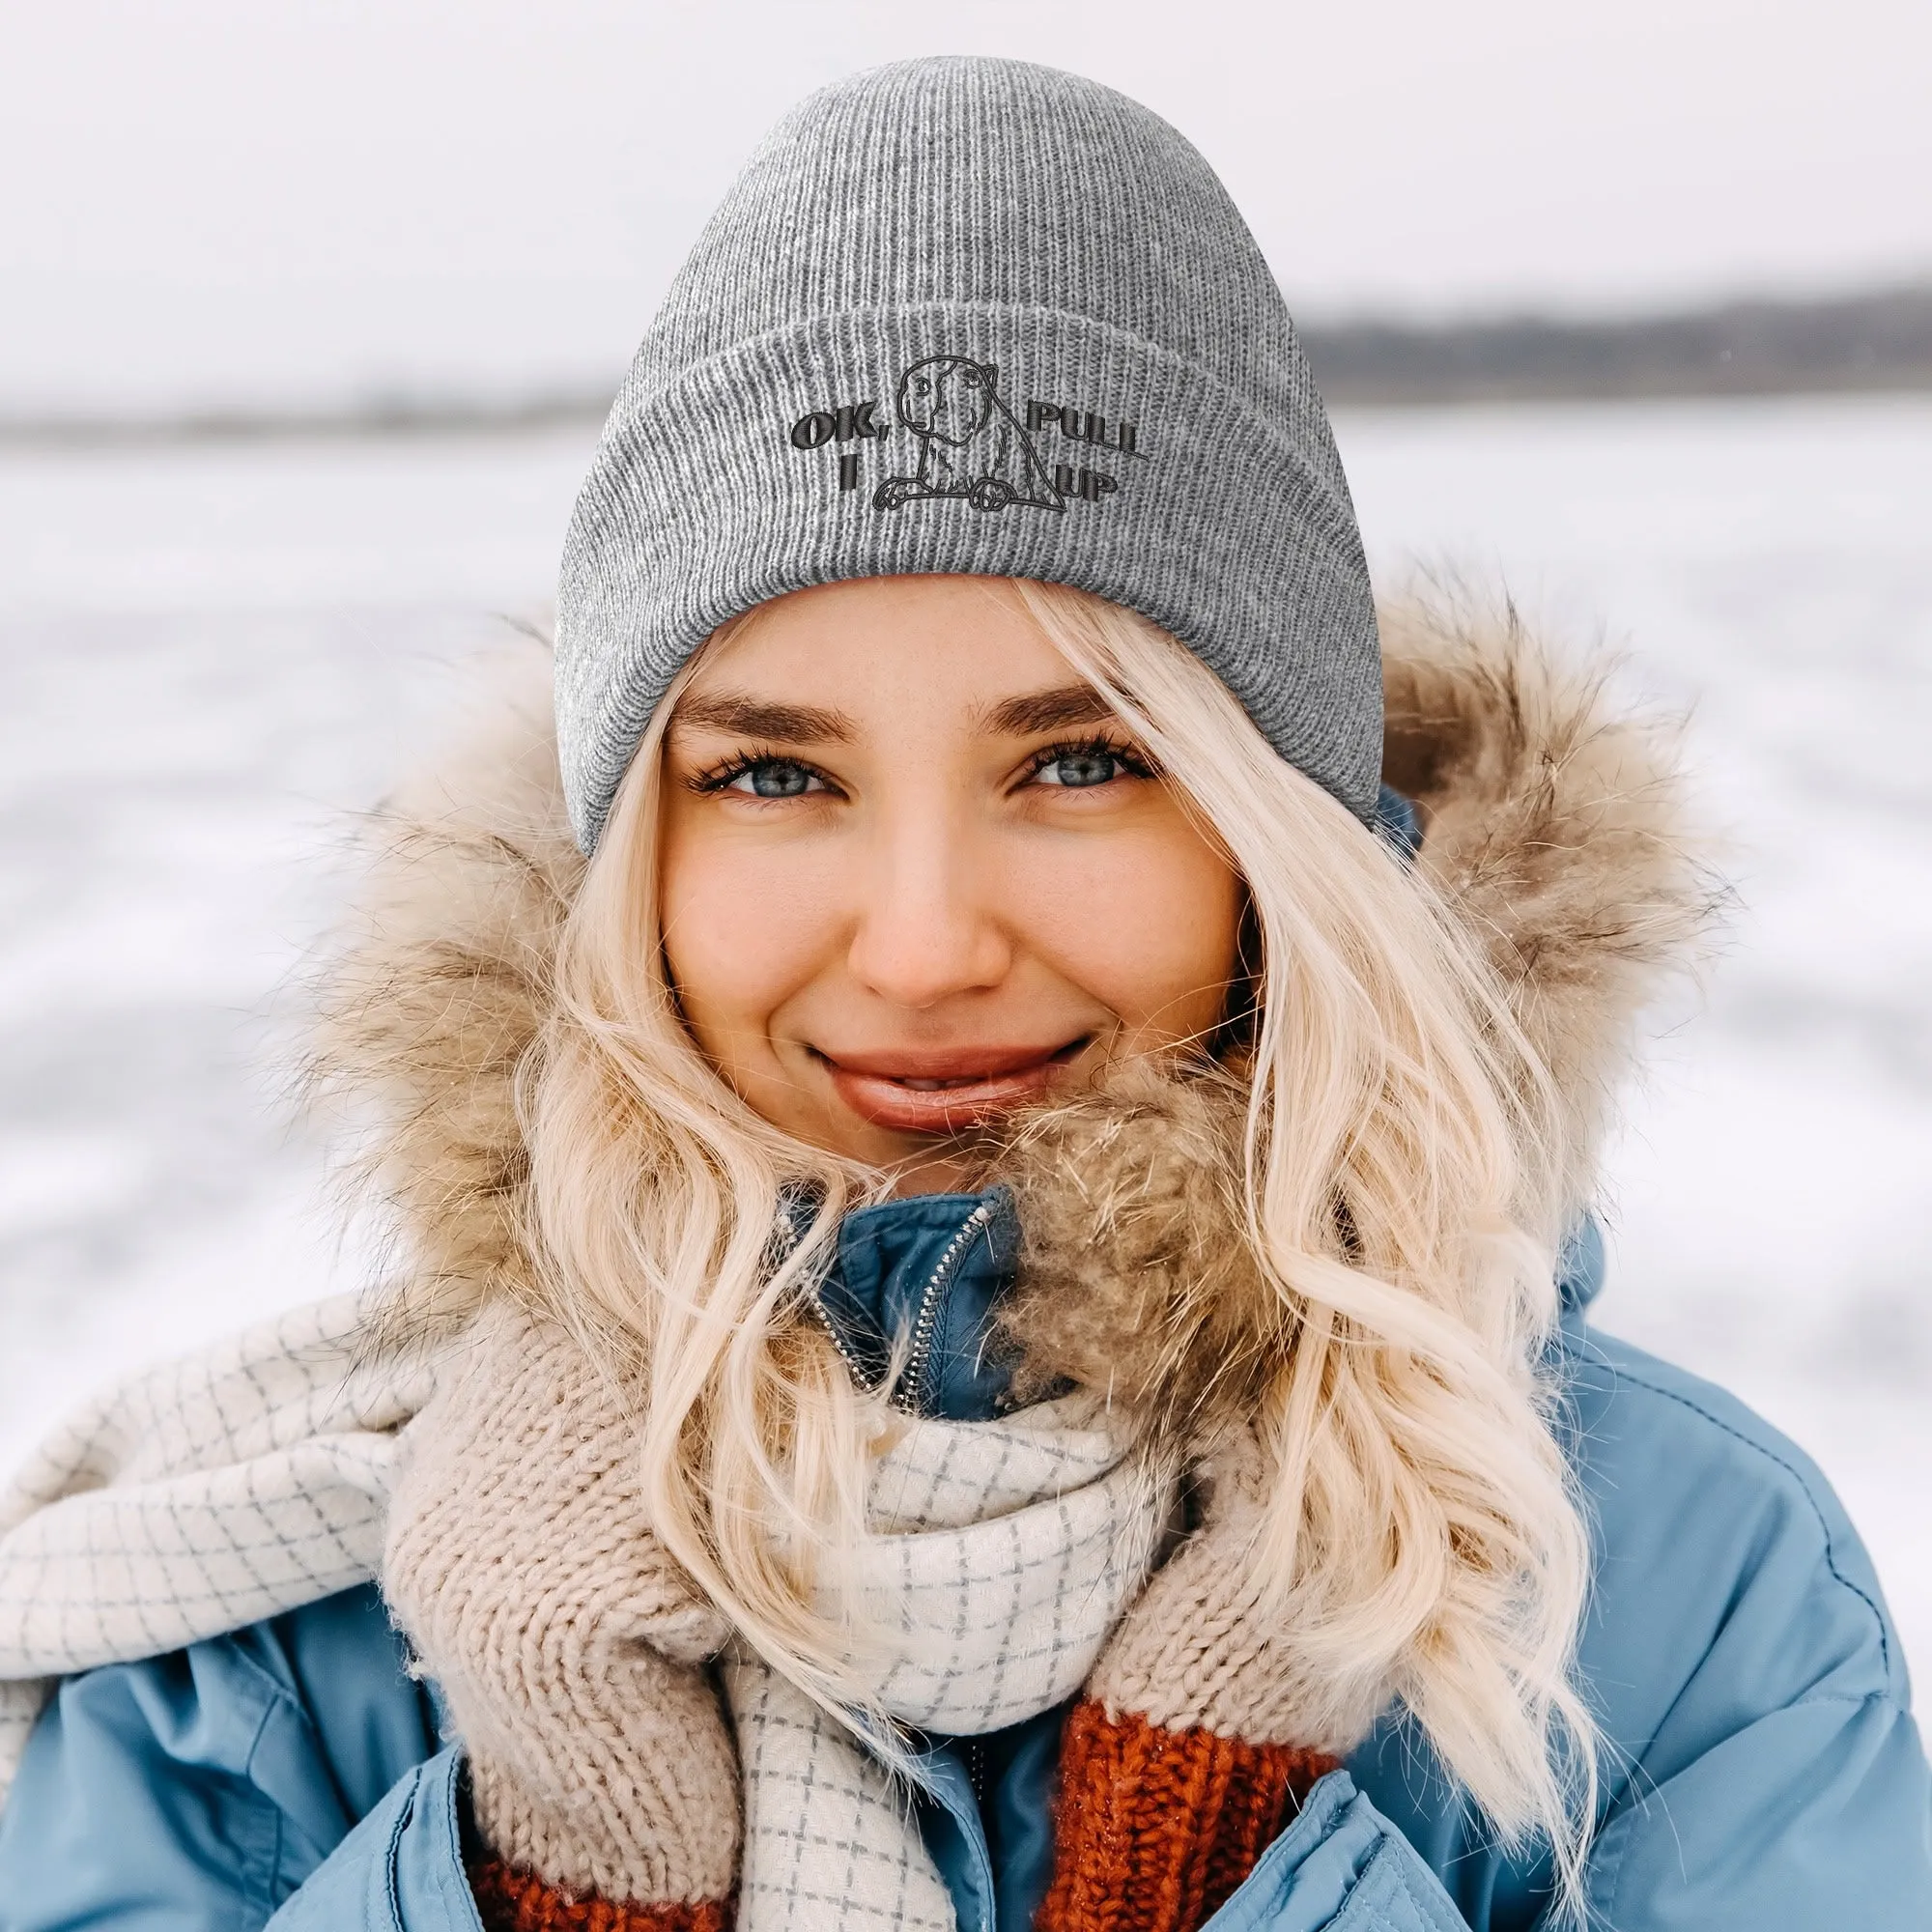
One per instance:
(213, 656)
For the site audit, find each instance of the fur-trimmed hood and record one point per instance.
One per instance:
(1554, 822)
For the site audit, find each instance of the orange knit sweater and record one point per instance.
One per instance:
(1153, 1831)
(1155, 1828)
(518, 1901)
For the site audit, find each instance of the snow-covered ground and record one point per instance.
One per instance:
(212, 655)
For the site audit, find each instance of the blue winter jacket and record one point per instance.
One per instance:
(1763, 1774)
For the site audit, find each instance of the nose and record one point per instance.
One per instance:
(925, 930)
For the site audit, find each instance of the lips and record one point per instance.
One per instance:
(944, 1091)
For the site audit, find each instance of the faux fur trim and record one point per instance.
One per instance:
(1557, 825)
(438, 985)
(1554, 822)
(1128, 1282)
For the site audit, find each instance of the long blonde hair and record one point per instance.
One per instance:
(1401, 1196)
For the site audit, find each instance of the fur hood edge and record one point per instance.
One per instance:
(1554, 824)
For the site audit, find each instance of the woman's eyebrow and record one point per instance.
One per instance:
(738, 711)
(1056, 710)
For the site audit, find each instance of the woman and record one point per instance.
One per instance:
(997, 1226)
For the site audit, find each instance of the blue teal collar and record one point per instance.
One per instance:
(1580, 1266)
(1398, 822)
(924, 1275)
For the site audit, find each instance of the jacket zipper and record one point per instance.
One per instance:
(976, 1770)
(912, 1385)
(860, 1379)
(924, 1324)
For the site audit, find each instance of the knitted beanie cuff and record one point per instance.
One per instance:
(1158, 1828)
(510, 1900)
(1218, 523)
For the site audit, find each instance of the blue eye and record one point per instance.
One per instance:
(1094, 765)
(775, 777)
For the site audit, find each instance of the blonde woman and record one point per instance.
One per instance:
(992, 1144)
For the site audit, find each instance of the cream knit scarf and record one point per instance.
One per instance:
(1007, 1552)
(194, 1499)
(244, 1482)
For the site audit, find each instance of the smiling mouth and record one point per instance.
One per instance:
(946, 1093)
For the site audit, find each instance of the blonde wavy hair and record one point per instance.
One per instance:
(1401, 1196)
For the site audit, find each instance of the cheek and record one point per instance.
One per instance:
(1148, 924)
(743, 929)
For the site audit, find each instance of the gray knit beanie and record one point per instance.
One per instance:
(964, 315)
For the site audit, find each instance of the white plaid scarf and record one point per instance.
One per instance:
(206, 1494)
(195, 1500)
(1006, 1551)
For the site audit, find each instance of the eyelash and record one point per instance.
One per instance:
(1135, 763)
(721, 775)
(716, 778)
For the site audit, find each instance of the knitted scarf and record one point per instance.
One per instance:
(1006, 1552)
(246, 1481)
(194, 1499)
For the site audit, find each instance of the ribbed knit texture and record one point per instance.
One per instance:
(1079, 369)
(508, 1900)
(1156, 1829)
(1207, 1646)
(567, 1644)
(571, 1650)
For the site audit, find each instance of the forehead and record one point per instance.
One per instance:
(877, 643)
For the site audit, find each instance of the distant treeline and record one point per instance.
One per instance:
(1747, 348)
(1868, 342)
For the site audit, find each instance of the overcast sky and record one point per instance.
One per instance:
(302, 202)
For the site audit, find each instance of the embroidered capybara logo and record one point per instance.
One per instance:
(970, 443)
